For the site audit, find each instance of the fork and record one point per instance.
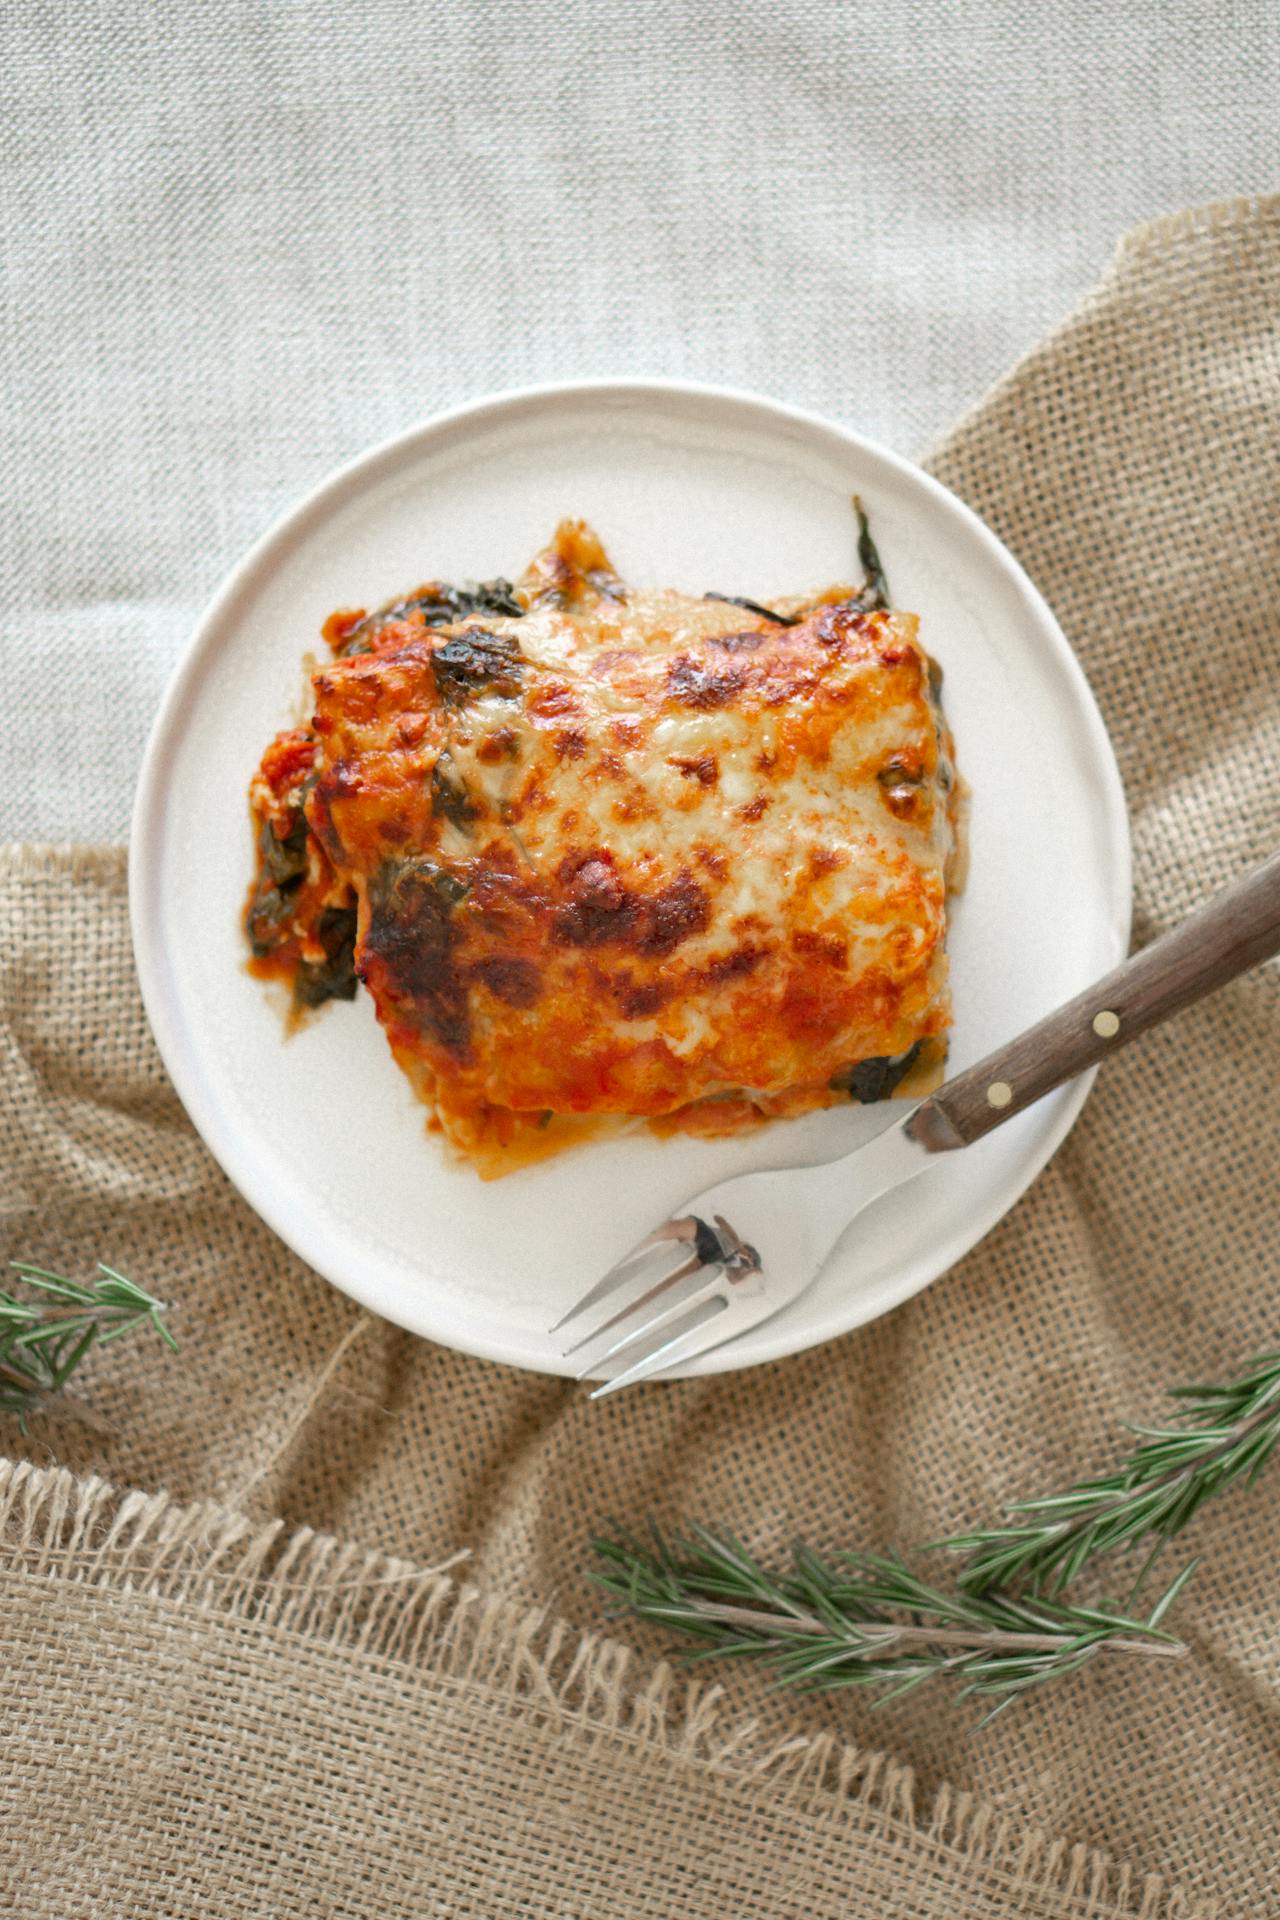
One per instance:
(742, 1250)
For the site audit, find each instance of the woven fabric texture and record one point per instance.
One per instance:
(242, 240)
(219, 1707)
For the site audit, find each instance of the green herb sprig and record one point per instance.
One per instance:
(864, 1619)
(43, 1341)
(860, 1619)
(1226, 1433)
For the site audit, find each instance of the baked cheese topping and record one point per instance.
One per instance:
(601, 852)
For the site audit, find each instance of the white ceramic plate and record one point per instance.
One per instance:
(689, 487)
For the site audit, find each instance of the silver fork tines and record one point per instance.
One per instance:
(655, 1359)
(660, 1290)
(683, 1230)
(656, 1328)
(686, 1288)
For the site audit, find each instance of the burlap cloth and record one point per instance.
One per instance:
(240, 1689)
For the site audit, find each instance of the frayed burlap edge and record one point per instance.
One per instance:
(347, 1598)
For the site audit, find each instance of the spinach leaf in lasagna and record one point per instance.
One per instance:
(450, 798)
(411, 945)
(477, 661)
(753, 606)
(874, 597)
(875, 1079)
(440, 606)
(282, 864)
(334, 977)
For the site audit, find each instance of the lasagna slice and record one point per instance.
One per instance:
(599, 852)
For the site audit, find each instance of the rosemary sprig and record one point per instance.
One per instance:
(864, 1619)
(867, 1620)
(1226, 1433)
(43, 1341)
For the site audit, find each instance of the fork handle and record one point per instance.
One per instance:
(1233, 933)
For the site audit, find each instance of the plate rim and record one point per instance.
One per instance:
(295, 520)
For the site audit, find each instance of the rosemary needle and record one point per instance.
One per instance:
(43, 1340)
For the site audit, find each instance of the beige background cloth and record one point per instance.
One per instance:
(241, 1688)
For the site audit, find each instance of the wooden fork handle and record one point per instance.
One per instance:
(1225, 938)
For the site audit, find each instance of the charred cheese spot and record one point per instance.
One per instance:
(705, 770)
(824, 860)
(638, 1001)
(602, 910)
(695, 683)
(732, 966)
(634, 805)
(553, 702)
(823, 946)
(673, 914)
(515, 982)
(411, 729)
(599, 908)
(502, 744)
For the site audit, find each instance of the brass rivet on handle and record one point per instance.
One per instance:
(1106, 1024)
(999, 1093)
